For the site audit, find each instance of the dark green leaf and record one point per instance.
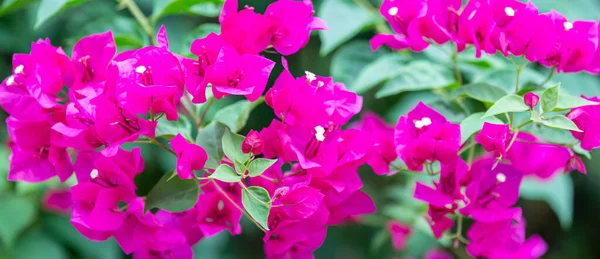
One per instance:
(198, 33)
(549, 98)
(9, 6)
(256, 201)
(558, 193)
(382, 69)
(126, 31)
(482, 92)
(16, 214)
(236, 115)
(350, 60)
(162, 8)
(169, 129)
(474, 123)
(39, 245)
(173, 194)
(344, 19)
(226, 174)
(508, 103)
(210, 138)
(232, 147)
(49, 8)
(566, 102)
(560, 122)
(407, 102)
(3, 167)
(259, 166)
(417, 75)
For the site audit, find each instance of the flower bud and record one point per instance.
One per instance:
(531, 99)
(253, 143)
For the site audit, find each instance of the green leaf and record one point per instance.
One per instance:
(126, 31)
(505, 78)
(240, 168)
(169, 129)
(39, 245)
(351, 58)
(162, 8)
(9, 6)
(380, 70)
(560, 122)
(173, 194)
(232, 147)
(508, 103)
(257, 203)
(210, 138)
(17, 213)
(552, 135)
(49, 8)
(558, 193)
(236, 115)
(549, 98)
(577, 148)
(259, 166)
(4, 166)
(226, 174)
(417, 75)
(344, 19)
(199, 32)
(474, 123)
(566, 102)
(482, 92)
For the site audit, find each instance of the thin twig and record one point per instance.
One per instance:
(552, 72)
(237, 206)
(205, 112)
(140, 18)
(154, 141)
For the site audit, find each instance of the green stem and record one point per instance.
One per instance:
(552, 72)
(140, 18)
(252, 195)
(380, 26)
(161, 145)
(237, 206)
(209, 103)
(459, 79)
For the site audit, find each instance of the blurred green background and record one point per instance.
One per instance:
(27, 230)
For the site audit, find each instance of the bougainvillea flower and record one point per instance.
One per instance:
(95, 208)
(293, 22)
(298, 201)
(216, 213)
(494, 138)
(78, 129)
(531, 99)
(557, 159)
(425, 135)
(510, 31)
(234, 74)
(47, 72)
(14, 97)
(316, 148)
(58, 200)
(475, 25)
(585, 118)
(437, 254)
(247, 31)
(440, 22)
(404, 20)
(399, 233)
(579, 45)
(91, 57)
(359, 203)
(190, 157)
(253, 143)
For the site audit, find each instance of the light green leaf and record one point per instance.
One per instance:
(12, 225)
(508, 103)
(173, 194)
(560, 122)
(482, 92)
(236, 115)
(240, 168)
(552, 135)
(384, 68)
(210, 138)
(226, 174)
(350, 60)
(505, 78)
(49, 8)
(344, 19)
(549, 98)
(566, 102)
(474, 123)
(4, 166)
(198, 33)
(417, 75)
(169, 129)
(162, 8)
(558, 193)
(257, 203)
(9, 6)
(259, 165)
(232, 147)
(577, 148)
(39, 245)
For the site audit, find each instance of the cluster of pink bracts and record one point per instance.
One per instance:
(507, 26)
(111, 100)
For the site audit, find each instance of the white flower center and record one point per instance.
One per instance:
(568, 26)
(140, 69)
(449, 206)
(500, 177)
(310, 76)
(509, 11)
(19, 69)
(472, 15)
(393, 11)
(94, 173)
(320, 84)
(220, 205)
(320, 131)
(10, 80)
(425, 121)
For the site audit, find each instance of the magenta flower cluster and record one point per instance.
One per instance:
(505, 26)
